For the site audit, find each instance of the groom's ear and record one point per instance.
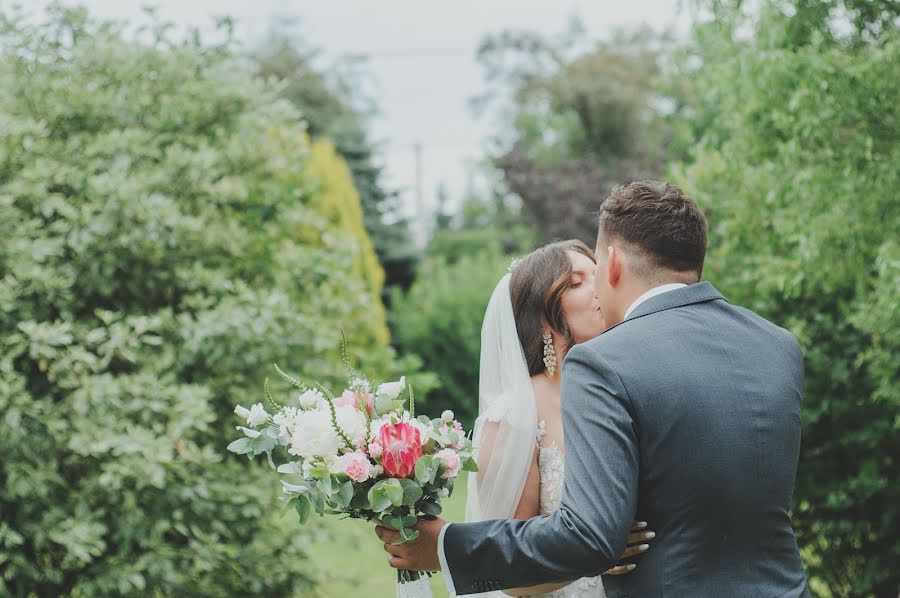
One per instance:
(614, 265)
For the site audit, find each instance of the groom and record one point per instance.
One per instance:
(685, 414)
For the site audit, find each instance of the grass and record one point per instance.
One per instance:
(352, 562)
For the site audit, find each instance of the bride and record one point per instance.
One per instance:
(537, 312)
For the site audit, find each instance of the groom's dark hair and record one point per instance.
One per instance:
(663, 226)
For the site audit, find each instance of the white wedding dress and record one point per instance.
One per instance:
(506, 431)
(551, 465)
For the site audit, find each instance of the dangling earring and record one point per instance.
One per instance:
(549, 354)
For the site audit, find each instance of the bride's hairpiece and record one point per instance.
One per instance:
(513, 263)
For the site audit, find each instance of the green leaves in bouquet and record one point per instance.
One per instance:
(406, 535)
(303, 506)
(470, 465)
(403, 524)
(256, 442)
(394, 493)
(342, 498)
(412, 492)
(386, 494)
(384, 405)
(426, 469)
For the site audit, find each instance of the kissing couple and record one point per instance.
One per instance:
(616, 387)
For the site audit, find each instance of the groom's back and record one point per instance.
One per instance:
(716, 394)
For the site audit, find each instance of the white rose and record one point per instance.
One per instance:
(447, 416)
(257, 415)
(311, 399)
(392, 390)
(353, 423)
(284, 419)
(314, 436)
(242, 412)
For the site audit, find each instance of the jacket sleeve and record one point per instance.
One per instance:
(588, 533)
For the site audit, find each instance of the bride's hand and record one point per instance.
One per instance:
(637, 544)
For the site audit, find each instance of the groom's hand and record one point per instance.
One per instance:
(418, 555)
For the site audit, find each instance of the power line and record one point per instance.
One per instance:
(415, 53)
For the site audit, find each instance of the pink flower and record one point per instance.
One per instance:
(347, 399)
(355, 466)
(363, 401)
(402, 447)
(375, 450)
(451, 460)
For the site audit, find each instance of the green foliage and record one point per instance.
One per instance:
(798, 168)
(334, 107)
(335, 197)
(162, 245)
(583, 118)
(440, 317)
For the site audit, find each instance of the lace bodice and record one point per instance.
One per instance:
(552, 469)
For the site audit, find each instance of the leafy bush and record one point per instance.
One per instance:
(439, 319)
(165, 235)
(798, 169)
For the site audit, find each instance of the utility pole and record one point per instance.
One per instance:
(421, 233)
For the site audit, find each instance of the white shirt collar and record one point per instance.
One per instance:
(653, 293)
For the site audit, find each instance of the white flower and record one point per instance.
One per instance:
(424, 429)
(444, 492)
(377, 470)
(447, 416)
(311, 399)
(257, 415)
(392, 390)
(284, 419)
(242, 412)
(314, 436)
(360, 384)
(353, 423)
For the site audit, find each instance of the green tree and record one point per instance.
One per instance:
(798, 166)
(161, 244)
(580, 119)
(439, 319)
(334, 106)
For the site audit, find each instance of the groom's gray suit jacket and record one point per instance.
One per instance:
(685, 415)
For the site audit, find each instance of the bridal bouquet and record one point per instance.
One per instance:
(361, 454)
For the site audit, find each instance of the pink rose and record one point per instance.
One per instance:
(451, 460)
(375, 450)
(362, 401)
(356, 466)
(402, 447)
(347, 399)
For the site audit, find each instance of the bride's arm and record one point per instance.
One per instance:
(530, 506)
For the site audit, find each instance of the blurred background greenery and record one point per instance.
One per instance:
(177, 214)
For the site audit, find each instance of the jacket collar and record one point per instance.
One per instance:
(700, 292)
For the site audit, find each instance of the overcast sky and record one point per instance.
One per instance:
(421, 55)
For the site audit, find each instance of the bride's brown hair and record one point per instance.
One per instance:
(536, 287)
